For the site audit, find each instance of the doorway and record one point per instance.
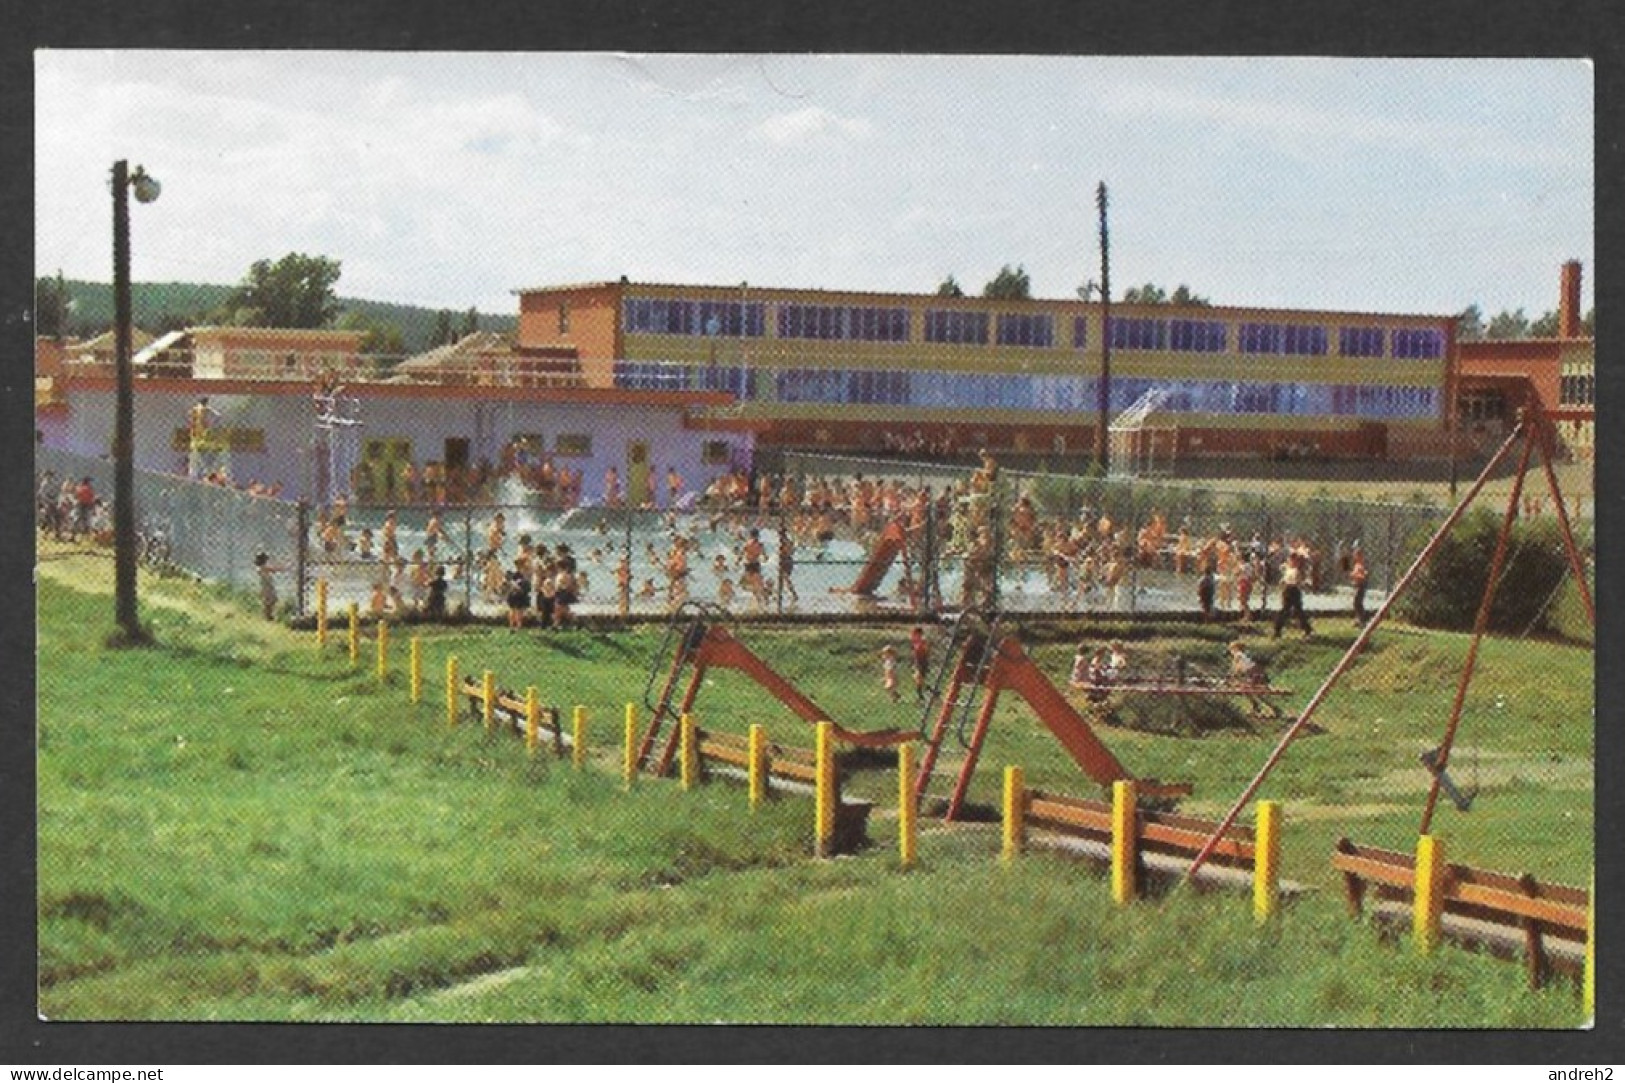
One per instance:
(637, 474)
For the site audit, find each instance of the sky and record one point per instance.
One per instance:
(451, 180)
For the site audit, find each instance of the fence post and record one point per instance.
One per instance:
(907, 806)
(824, 790)
(355, 634)
(1429, 904)
(1015, 808)
(578, 737)
(629, 752)
(468, 559)
(690, 760)
(415, 668)
(1267, 861)
(1125, 846)
(383, 650)
(757, 756)
(533, 714)
(321, 613)
(301, 553)
(488, 693)
(451, 690)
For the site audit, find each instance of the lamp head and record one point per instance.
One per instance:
(145, 186)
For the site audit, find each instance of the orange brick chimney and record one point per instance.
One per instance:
(1568, 303)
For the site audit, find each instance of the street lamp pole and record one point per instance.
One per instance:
(124, 587)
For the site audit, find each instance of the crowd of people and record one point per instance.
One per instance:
(71, 509)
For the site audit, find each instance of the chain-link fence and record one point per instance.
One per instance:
(837, 537)
(212, 531)
(828, 536)
(1066, 543)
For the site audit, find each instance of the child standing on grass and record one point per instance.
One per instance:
(920, 648)
(518, 598)
(263, 565)
(888, 670)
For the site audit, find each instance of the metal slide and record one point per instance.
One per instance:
(893, 541)
(1004, 667)
(706, 644)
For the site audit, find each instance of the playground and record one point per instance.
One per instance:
(700, 818)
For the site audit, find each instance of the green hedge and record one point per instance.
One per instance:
(1536, 593)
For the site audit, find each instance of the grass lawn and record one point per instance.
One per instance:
(232, 826)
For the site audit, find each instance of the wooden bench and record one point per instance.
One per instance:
(1509, 916)
(789, 769)
(1165, 843)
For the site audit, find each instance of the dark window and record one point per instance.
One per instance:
(952, 326)
(1080, 332)
(1135, 333)
(1197, 336)
(1025, 330)
(1303, 341)
(1260, 338)
(1420, 343)
(1360, 341)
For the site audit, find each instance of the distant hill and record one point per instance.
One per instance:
(158, 306)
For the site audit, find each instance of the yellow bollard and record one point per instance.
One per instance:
(1588, 994)
(1429, 905)
(1125, 846)
(629, 754)
(383, 650)
(690, 753)
(415, 668)
(825, 789)
(578, 737)
(451, 690)
(756, 751)
(1015, 811)
(355, 634)
(907, 806)
(1267, 861)
(488, 693)
(533, 719)
(321, 613)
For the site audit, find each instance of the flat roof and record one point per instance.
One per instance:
(969, 301)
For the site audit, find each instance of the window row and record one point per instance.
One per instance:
(960, 327)
(1026, 330)
(663, 317)
(1075, 394)
(843, 322)
(1287, 339)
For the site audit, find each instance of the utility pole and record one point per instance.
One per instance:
(1102, 448)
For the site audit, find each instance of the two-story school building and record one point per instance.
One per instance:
(860, 371)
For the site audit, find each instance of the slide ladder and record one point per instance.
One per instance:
(996, 663)
(705, 644)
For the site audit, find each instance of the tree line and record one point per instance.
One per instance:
(295, 291)
(1472, 326)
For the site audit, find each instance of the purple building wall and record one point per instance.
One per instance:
(278, 439)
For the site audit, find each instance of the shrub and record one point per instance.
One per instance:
(1447, 592)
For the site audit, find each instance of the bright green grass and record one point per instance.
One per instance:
(262, 833)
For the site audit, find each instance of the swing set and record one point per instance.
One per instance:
(1534, 430)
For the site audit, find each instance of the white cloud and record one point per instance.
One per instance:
(814, 122)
